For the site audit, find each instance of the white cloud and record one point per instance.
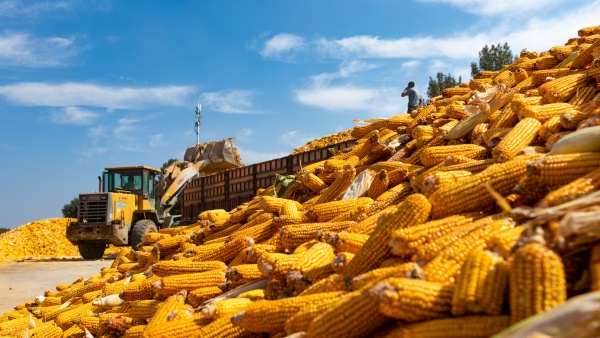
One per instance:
(282, 44)
(296, 139)
(486, 7)
(229, 101)
(156, 140)
(94, 152)
(72, 115)
(26, 51)
(245, 134)
(85, 94)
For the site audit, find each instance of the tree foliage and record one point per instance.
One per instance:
(70, 210)
(168, 163)
(440, 83)
(493, 57)
(3, 230)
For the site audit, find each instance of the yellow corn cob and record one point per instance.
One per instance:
(353, 315)
(90, 323)
(219, 234)
(536, 281)
(171, 244)
(379, 184)
(446, 265)
(462, 327)
(198, 296)
(521, 136)
(545, 112)
(189, 281)
(300, 321)
(525, 85)
(472, 166)
(143, 309)
(116, 287)
(273, 204)
(437, 154)
(406, 241)
(453, 91)
(585, 57)
(89, 296)
(393, 195)
(12, 327)
(560, 169)
(506, 77)
(243, 273)
(503, 242)
(276, 265)
(175, 302)
(78, 291)
(139, 290)
(422, 132)
(135, 331)
(226, 251)
(573, 190)
(482, 285)
(73, 331)
(65, 319)
(438, 179)
(256, 294)
(582, 96)
(46, 330)
(324, 212)
(338, 187)
(468, 195)
(167, 268)
(405, 270)
(333, 282)
(361, 131)
(344, 241)
(293, 235)
(320, 254)
(49, 301)
(225, 307)
(546, 62)
(561, 52)
(430, 250)
(179, 328)
(476, 134)
(573, 118)
(413, 300)
(402, 120)
(415, 157)
(270, 315)
(412, 211)
(562, 89)
(368, 224)
(340, 261)
(550, 127)
(505, 119)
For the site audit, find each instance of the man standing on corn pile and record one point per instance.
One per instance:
(414, 98)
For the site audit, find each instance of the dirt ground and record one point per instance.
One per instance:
(22, 281)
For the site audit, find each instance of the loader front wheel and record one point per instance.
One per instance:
(91, 250)
(140, 229)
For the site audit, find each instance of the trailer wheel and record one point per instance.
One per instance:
(140, 229)
(91, 250)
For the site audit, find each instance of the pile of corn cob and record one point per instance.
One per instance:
(39, 239)
(474, 213)
(324, 141)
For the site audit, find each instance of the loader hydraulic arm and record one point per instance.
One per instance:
(168, 198)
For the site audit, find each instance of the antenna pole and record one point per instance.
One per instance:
(197, 124)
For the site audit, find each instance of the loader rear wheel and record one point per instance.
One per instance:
(140, 229)
(91, 250)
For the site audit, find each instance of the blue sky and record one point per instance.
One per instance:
(87, 84)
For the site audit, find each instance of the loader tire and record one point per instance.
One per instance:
(140, 229)
(91, 250)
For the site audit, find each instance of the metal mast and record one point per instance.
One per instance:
(197, 125)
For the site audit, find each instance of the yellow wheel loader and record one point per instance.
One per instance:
(131, 202)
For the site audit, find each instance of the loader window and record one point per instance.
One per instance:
(125, 180)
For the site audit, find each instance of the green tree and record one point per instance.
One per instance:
(70, 210)
(3, 230)
(440, 83)
(493, 57)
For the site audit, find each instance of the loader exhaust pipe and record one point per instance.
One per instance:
(99, 184)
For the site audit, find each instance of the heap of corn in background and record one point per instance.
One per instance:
(468, 225)
(39, 239)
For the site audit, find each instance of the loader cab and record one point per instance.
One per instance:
(137, 180)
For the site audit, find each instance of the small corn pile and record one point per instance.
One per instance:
(474, 213)
(324, 141)
(39, 239)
